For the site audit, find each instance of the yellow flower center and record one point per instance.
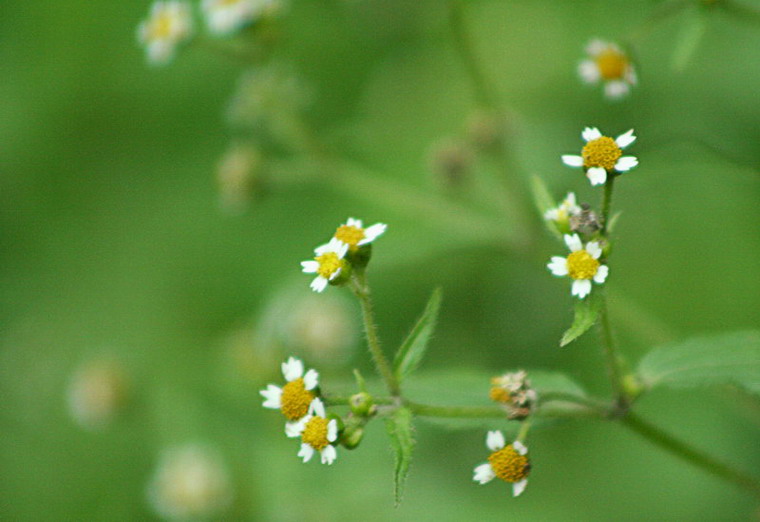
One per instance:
(601, 152)
(315, 433)
(295, 400)
(161, 27)
(350, 235)
(329, 263)
(580, 265)
(509, 465)
(499, 394)
(611, 64)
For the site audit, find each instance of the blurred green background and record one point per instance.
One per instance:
(115, 248)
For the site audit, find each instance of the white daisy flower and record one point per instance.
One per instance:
(510, 463)
(562, 213)
(354, 235)
(294, 398)
(169, 25)
(602, 155)
(582, 265)
(224, 17)
(317, 434)
(607, 63)
(328, 263)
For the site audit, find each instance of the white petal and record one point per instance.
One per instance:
(307, 452)
(495, 440)
(311, 379)
(581, 288)
(616, 89)
(272, 395)
(596, 175)
(292, 369)
(483, 474)
(573, 242)
(570, 199)
(354, 223)
(332, 430)
(519, 487)
(626, 163)
(310, 267)
(328, 454)
(334, 245)
(572, 160)
(336, 273)
(596, 47)
(294, 429)
(520, 447)
(558, 266)
(317, 408)
(588, 71)
(626, 139)
(319, 284)
(373, 232)
(591, 134)
(601, 274)
(552, 214)
(593, 248)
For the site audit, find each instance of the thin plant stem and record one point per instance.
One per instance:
(615, 362)
(524, 429)
(362, 292)
(607, 202)
(476, 412)
(690, 454)
(483, 92)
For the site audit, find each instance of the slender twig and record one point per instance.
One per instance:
(690, 454)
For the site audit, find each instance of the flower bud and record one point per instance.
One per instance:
(451, 162)
(362, 404)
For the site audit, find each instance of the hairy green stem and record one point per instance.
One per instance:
(361, 290)
(468, 412)
(690, 454)
(607, 202)
(615, 362)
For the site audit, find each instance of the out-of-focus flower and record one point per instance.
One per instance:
(317, 434)
(607, 63)
(98, 390)
(515, 392)
(451, 161)
(169, 25)
(582, 265)
(190, 482)
(294, 398)
(602, 155)
(224, 17)
(561, 215)
(238, 175)
(327, 265)
(510, 463)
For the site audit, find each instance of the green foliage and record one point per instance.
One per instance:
(400, 431)
(729, 358)
(689, 37)
(586, 312)
(412, 351)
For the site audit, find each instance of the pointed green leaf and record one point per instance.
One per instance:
(411, 352)
(586, 312)
(729, 358)
(400, 431)
(541, 195)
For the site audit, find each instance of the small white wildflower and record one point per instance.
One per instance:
(190, 482)
(224, 17)
(169, 25)
(354, 235)
(510, 463)
(602, 155)
(564, 211)
(294, 398)
(328, 263)
(317, 434)
(609, 64)
(96, 393)
(582, 265)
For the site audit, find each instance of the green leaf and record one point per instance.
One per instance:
(586, 312)
(689, 38)
(470, 387)
(399, 426)
(541, 195)
(729, 358)
(412, 350)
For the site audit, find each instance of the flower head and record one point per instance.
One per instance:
(515, 392)
(602, 155)
(294, 398)
(354, 235)
(607, 63)
(561, 215)
(169, 25)
(510, 463)
(227, 16)
(582, 265)
(327, 264)
(317, 434)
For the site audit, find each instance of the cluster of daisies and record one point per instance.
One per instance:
(601, 159)
(307, 419)
(170, 23)
(349, 247)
